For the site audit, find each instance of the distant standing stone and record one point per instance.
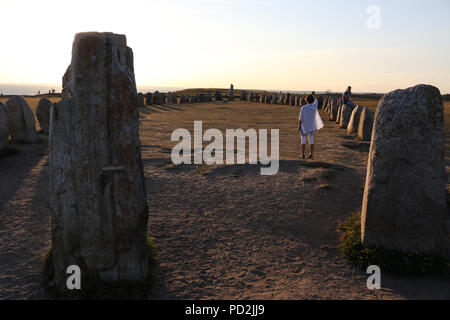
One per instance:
(338, 116)
(243, 96)
(140, 100)
(148, 99)
(365, 125)
(21, 122)
(404, 206)
(353, 123)
(231, 93)
(43, 114)
(218, 95)
(346, 113)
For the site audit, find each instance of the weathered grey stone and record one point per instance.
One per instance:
(404, 206)
(140, 100)
(353, 123)
(292, 100)
(171, 98)
(148, 99)
(21, 122)
(365, 125)
(97, 188)
(346, 113)
(156, 97)
(231, 93)
(4, 129)
(43, 114)
(209, 97)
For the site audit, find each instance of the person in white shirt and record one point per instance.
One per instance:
(308, 122)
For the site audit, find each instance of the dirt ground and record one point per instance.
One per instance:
(222, 232)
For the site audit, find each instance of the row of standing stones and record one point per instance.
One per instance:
(97, 189)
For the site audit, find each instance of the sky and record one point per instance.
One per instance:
(256, 44)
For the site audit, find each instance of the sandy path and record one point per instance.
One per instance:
(223, 232)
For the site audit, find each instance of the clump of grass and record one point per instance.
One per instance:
(389, 261)
(172, 166)
(327, 186)
(94, 288)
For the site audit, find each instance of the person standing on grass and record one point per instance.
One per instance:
(347, 97)
(308, 122)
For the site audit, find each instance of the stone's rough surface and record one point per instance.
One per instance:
(365, 124)
(333, 109)
(148, 98)
(99, 216)
(346, 113)
(353, 123)
(21, 123)
(4, 129)
(231, 93)
(140, 100)
(156, 97)
(43, 114)
(404, 206)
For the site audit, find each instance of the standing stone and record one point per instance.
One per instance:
(353, 124)
(404, 206)
(320, 102)
(365, 125)
(156, 98)
(4, 129)
(243, 96)
(338, 116)
(218, 95)
(148, 99)
(21, 122)
(209, 96)
(346, 113)
(287, 99)
(231, 93)
(97, 188)
(43, 114)
(140, 100)
(334, 109)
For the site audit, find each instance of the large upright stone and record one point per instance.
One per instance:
(334, 109)
(404, 206)
(338, 116)
(21, 122)
(157, 98)
(43, 114)
(353, 123)
(97, 187)
(4, 129)
(365, 125)
(231, 93)
(346, 113)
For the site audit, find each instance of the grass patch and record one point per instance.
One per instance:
(8, 152)
(94, 288)
(389, 261)
(172, 166)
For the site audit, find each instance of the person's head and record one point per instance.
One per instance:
(349, 88)
(310, 98)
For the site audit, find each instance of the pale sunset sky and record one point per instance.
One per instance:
(256, 44)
